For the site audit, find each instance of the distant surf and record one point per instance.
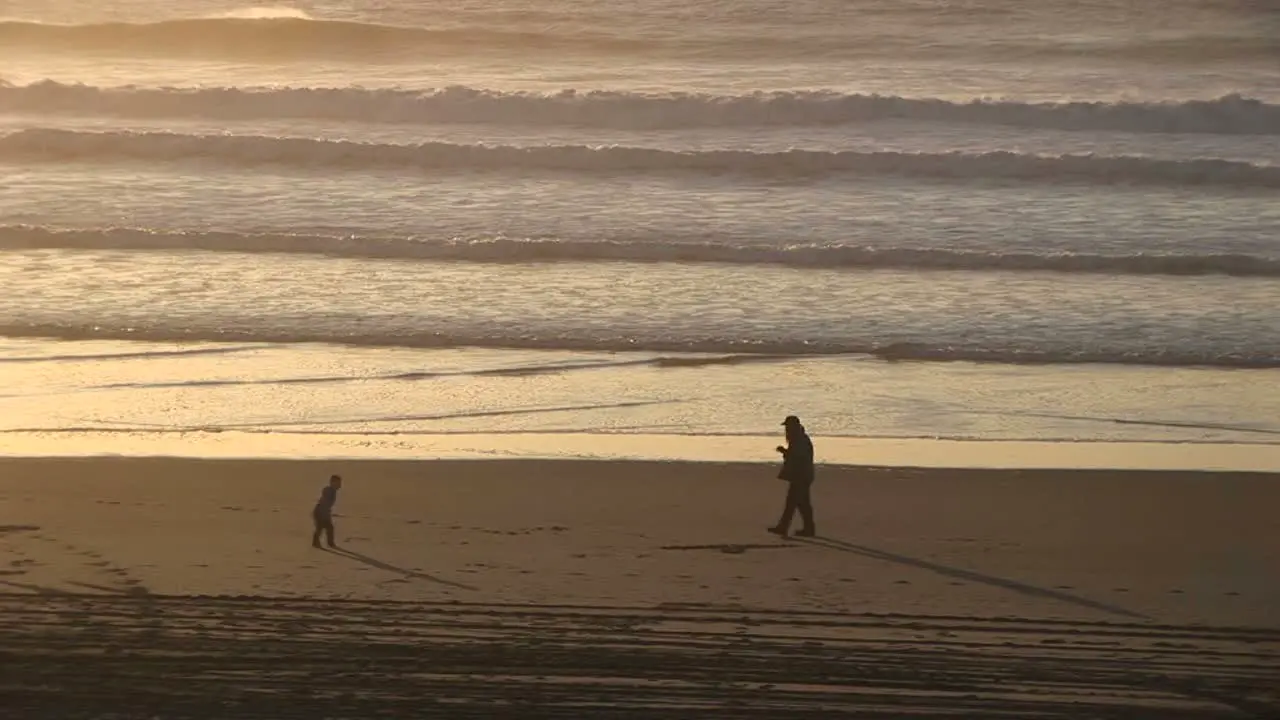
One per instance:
(298, 38)
(55, 145)
(640, 250)
(1226, 115)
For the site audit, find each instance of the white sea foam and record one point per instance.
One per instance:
(1229, 114)
(247, 151)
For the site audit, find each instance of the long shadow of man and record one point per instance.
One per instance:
(974, 576)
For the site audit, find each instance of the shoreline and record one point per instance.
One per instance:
(835, 452)
(90, 398)
(140, 470)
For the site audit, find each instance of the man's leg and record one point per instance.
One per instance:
(805, 505)
(788, 510)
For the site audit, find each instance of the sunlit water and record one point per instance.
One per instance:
(873, 194)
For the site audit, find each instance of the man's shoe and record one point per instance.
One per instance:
(778, 531)
(316, 546)
(807, 532)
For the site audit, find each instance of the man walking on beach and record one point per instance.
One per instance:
(323, 512)
(797, 470)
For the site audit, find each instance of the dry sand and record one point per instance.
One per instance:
(188, 588)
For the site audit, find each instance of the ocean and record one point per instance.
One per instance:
(971, 220)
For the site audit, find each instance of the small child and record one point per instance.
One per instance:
(323, 512)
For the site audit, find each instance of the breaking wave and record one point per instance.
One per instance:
(298, 38)
(550, 250)
(1230, 114)
(899, 351)
(50, 145)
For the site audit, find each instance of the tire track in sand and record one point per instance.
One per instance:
(76, 656)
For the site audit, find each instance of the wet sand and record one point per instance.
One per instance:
(188, 588)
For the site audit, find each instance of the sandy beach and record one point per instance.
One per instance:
(548, 284)
(188, 588)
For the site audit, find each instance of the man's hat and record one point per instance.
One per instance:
(791, 420)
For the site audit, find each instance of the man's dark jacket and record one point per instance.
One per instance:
(797, 460)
